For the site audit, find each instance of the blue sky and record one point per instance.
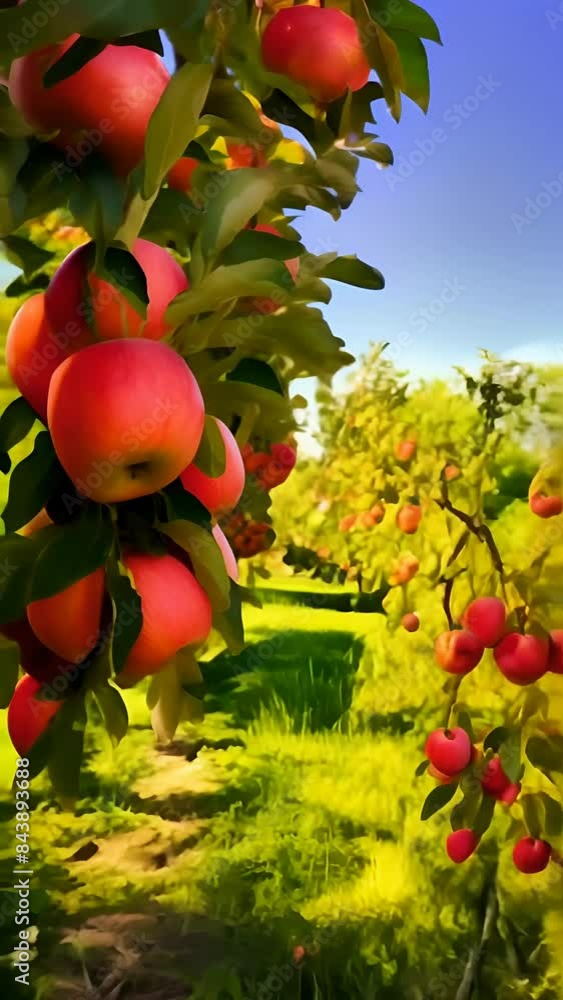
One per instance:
(464, 267)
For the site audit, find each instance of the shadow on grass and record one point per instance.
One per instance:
(306, 676)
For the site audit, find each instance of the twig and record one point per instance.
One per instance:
(478, 951)
(481, 531)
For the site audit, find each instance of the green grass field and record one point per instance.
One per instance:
(275, 823)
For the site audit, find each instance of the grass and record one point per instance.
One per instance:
(274, 823)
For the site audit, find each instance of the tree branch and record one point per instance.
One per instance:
(478, 951)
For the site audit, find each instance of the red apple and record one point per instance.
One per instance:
(493, 779)
(347, 522)
(69, 622)
(451, 472)
(77, 297)
(405, 450)
(486, 619)
(222, 493)
(378, 511)
(458, 651)
(449, 750)
(180, 177)
(531, 856)
(522, 659)
(555, 661)
(34, 351)
(461, 844)
(319, 48)
(105, 106)
(411, 622)
(28, 715)
(228, 554)
(126, 418)
(510, 794)
(409, 518)
(280, 466)
(546, 506)
(404, 570)
(444, 779)
(176, 613)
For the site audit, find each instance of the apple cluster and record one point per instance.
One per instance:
(126, 419)
(452, 755)
(522, 658)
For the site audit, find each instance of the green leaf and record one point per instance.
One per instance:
(80, 52)
(13, 154)
(165, 699)
(12, 123)
(71, 551)
(15, 423)
(211, 455)
(9, 670)
(382, 54)
(437, 799)
(181, 505)
(353, 271)
(127, 614)
(553, 816)
(31, 483)
(98, 199)
(414, 62)
(242, 195)
(422, 768)
(206, 559)
(253, 245)
(379, 152)
(405, 15)
(173, 123)
(256, 278)
(496, 738)
(484, 816)
(256, 372)
(67, 750)
(26, 255)
(532, 817)
(229, 623)
(22, 286)
(122, 270)
(114, 711)
(464, 721)
(511, 755)
(149, 40)
(546, 754)
(17, 556)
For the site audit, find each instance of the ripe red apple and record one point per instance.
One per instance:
(522, 659)
(531, 856)
(486, 619)
(449, 750)
(283, 458)
(35, 658)
(510, 794)
(378, 511)
(451, 472)
(28, 715)
(77, 297)
(409, 518)
(493, 779)
(105, 106)
(458, 651)
(444, 779)
(555, 661)
(367, 520)
(411, 622)
(546, 506)
(405, 450)
(222, 493)
(180, 177)
(404, 570)
(228, 554)
(34, 351)
(461, 844)
(168, 624)
(347, 522)
(126, 418)
(69, 622)
(319, 48)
